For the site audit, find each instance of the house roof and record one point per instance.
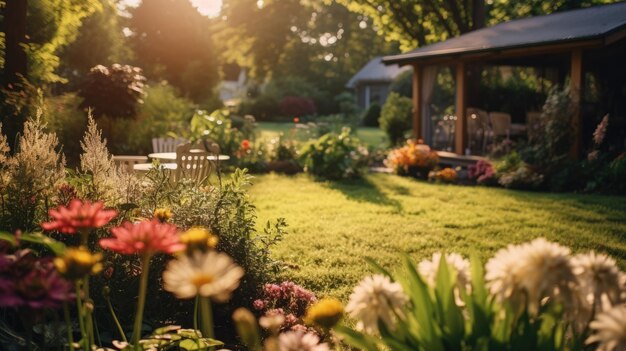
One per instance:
(375, 71)
(568, 26)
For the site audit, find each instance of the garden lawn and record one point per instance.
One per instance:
(334, 225)
(373, 137)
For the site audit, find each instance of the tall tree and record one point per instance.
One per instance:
(172, 41)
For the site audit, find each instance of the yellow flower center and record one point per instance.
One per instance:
(202, 279)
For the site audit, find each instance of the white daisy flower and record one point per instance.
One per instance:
(299, 341)
(531, 273)
(376, 297)
(609, 330)
(429, 269)
(209, 274)
(599, 278)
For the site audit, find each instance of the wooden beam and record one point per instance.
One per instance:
(460, 134)
(576, 83)
(417, 102)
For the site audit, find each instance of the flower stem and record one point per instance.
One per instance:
(88, 313)
(81, 321)
(68, 326)
(117, 321)
(207, 317)
(143, 287)
(195, 314)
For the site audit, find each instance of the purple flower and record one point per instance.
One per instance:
(28, 281)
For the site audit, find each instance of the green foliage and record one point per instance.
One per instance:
(178, 49)
(371, 116)
(49, 31)
(216, 127)
(403, 84)
(113, 91)
(100, 41)
(395, 117)
(334, 156)
(513, 172)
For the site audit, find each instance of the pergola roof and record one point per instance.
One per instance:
(375, 71)
(569, 26)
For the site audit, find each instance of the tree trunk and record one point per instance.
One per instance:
(478, 14)
(15, 37)
(15, 65)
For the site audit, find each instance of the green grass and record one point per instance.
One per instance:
(373, 137)
(333, 225)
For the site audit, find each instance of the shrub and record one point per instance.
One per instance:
(395, 117)
(482, 172)
(371, 116)
(216, 127)
(533, 296)
(287, 300)
(446, 175)
(414, 159)
(297, 106)
(403, 84)
(114, 91)
(334, 156)
(514, 173)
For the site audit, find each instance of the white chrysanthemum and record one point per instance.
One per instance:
(209, 274)
(599, 278)
(428, 268)
(299, 341)
(376, 297)
(609, 330)
(537, 270)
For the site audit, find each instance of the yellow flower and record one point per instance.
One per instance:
(199, 238)
(326, 313)
(163, 214)
(76, 263)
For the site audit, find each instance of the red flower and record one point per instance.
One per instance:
(79, 215)
(147, 237)
(245, 144)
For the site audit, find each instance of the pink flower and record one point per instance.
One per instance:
(78, 215)
(600, 132)
(258, 305)
(147, 237)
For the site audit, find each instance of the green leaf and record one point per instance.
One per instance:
(38, 238)
(5, 236)
(192, 345)
(356, 339)
(166, 329)
(378, 268)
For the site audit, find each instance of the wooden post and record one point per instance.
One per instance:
(460, 134)
(576, 81)
(417, 102)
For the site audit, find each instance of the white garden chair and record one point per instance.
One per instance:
(166, 144)
(126, 162)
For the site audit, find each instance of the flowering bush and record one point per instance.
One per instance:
(482, 172)
(296, 106)
(514, 173)
(287, 300)
(446, 175)
(334, 156)
(537, 296)
(414, 159)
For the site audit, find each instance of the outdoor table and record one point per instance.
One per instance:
(171, 156)
(145, 167)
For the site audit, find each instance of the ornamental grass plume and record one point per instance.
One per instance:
(376, 298)
(528, 273)
(299, 341)
(144, 238)
(326, 313)
(600, 132)
(210, 274)
(76, 263)
(78, 216)
(609, 330)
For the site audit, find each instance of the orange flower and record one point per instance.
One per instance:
(147, 237)
(78, 215)
(296, 120)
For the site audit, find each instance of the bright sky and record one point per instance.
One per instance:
(209, 8)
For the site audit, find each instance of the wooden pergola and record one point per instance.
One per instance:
(570, 34)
